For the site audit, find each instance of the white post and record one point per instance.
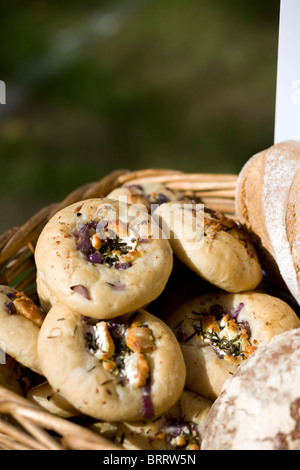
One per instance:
(287, 115)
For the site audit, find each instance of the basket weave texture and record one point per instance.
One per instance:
(24, 425)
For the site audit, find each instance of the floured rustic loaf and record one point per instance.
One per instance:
(259, 405)
(267, 203)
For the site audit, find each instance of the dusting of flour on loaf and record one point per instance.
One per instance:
(280, 167)
(259, 405)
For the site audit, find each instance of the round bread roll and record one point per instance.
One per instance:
(259, 406)
(180, 428)
(218, 331)
(147, 195)
(101, 258)
(127, 368)
(213, 246)
(20, 321)
(267, 203)
(44, 396)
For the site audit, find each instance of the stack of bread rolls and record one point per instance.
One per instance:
(156, 327)
(258, 407)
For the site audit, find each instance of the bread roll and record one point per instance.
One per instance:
(99, 256)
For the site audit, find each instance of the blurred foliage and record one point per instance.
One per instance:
(93, 86)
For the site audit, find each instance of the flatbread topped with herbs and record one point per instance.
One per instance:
(126, 368)
(218, 331)
(103, 258)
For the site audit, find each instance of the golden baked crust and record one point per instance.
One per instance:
(109, 379)
(268, 209)
(249, 209)
(293, 222)
(241, 199)
(281, 162)
(254, 185)
(218, 331)
(113, 284)
(213, 246)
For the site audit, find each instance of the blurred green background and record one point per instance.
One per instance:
(94, 86)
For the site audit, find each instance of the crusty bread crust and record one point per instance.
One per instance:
(293, 222)
(267, 204)
(259, 406)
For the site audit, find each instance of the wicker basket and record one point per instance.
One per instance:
(24, 425)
